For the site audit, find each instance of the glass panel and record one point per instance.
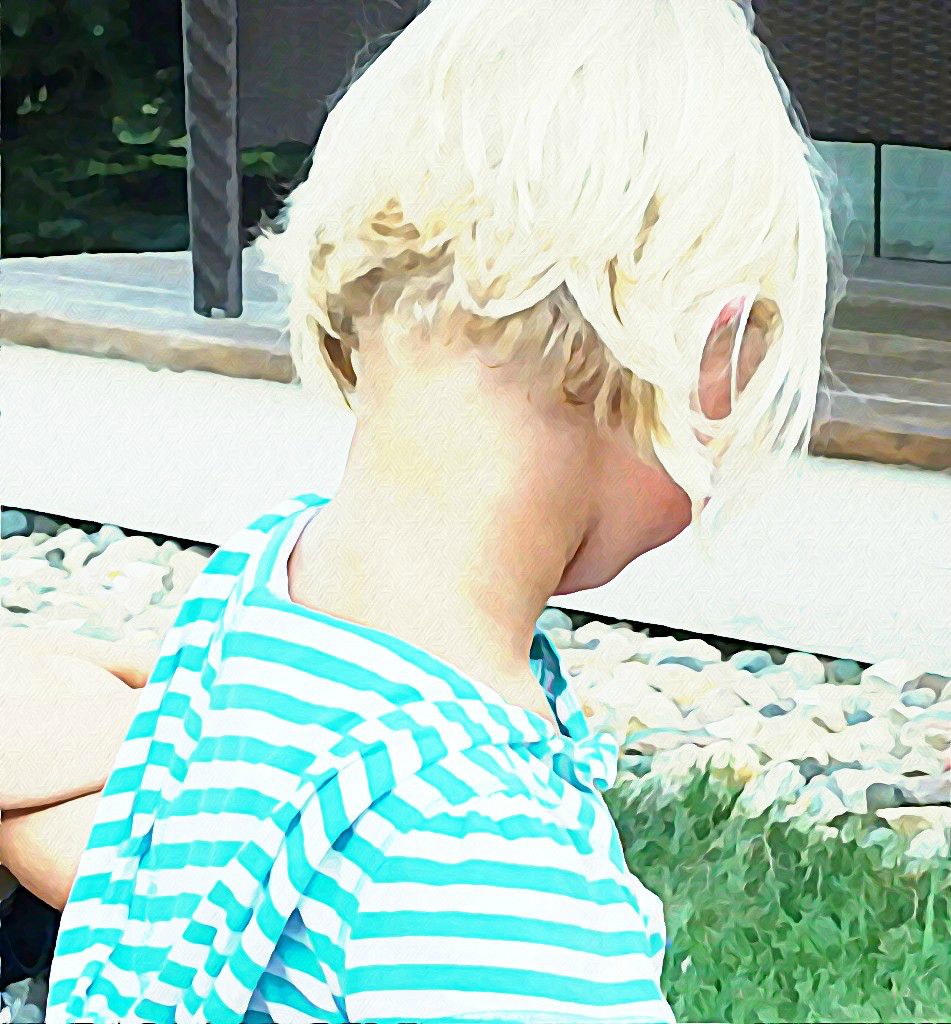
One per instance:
(916, 203)
(854, 162)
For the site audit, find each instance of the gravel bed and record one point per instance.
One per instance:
(810, 740)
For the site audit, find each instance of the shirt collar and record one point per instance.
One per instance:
(594, 754)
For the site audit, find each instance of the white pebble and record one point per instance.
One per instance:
(681, 684)
(592, 632)
(109, 534)
(135, 585)
(927, 789)
(896, 671)
(731, 761)
(155, 617)
(852, 785)
(909, 821)
(679, 764)
(129, 549)
(694, 649)
(36, 572)
(561, 638)
(617, 646)
(922, 698)
(186, 567)
(554, 618)
(753, 691)
(791, 736)
(930, 844)
(787, 685)
(66, 617)
(78, 555)
(807, 668)
(64, 542)
(714, 706)
(823, 704)
(744, 725)
(12, 546)
(816, 804)
(780, 782)
(923, 758)
(21, 597)
(655, 711)
(931, 726)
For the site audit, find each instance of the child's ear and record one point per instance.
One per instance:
(713, 388)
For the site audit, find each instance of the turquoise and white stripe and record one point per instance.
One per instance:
(312, 820)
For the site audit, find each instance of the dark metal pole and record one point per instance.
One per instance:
(210, 30)
(878, 199)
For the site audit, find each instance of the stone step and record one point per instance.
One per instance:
(886, 397)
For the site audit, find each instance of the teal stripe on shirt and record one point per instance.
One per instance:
(335, 841)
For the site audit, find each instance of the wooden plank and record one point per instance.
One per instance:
(138, 306)
(893, 352)
(156, 350)
(846, 441)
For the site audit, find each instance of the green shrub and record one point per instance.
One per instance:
(93, 126)
(781, 925)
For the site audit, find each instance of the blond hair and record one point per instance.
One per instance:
(590, 182)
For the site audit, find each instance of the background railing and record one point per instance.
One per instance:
(863, 71)
(259, 73)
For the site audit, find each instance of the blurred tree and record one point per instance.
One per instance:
(92, 124)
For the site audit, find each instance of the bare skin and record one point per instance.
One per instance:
(462, 493)
(42, 846)
(465, 494)
(79, 704)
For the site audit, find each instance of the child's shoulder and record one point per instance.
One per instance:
(247, 544)
(232, 570)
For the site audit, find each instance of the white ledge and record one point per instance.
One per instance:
(850, 560)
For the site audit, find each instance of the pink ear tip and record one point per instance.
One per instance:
(729, 312)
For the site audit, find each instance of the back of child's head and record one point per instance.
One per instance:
(592, 182)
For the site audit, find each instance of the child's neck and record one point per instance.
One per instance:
(451, 529)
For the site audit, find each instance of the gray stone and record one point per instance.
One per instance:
(918, 698)
(843, 670)
(915, 187)
(930, 681)
(44, 525)
(554, 618)
(13, 523)
(752, 661)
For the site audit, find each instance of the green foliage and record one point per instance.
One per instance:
(780, 925)
(93, 128)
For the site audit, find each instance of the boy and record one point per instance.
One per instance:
(569, 263)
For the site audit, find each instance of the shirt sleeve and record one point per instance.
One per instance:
(493, 914)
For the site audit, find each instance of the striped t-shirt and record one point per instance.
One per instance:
(312, 820)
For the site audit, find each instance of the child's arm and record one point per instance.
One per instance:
(62, 721)
(132, 662)
(42, 846)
